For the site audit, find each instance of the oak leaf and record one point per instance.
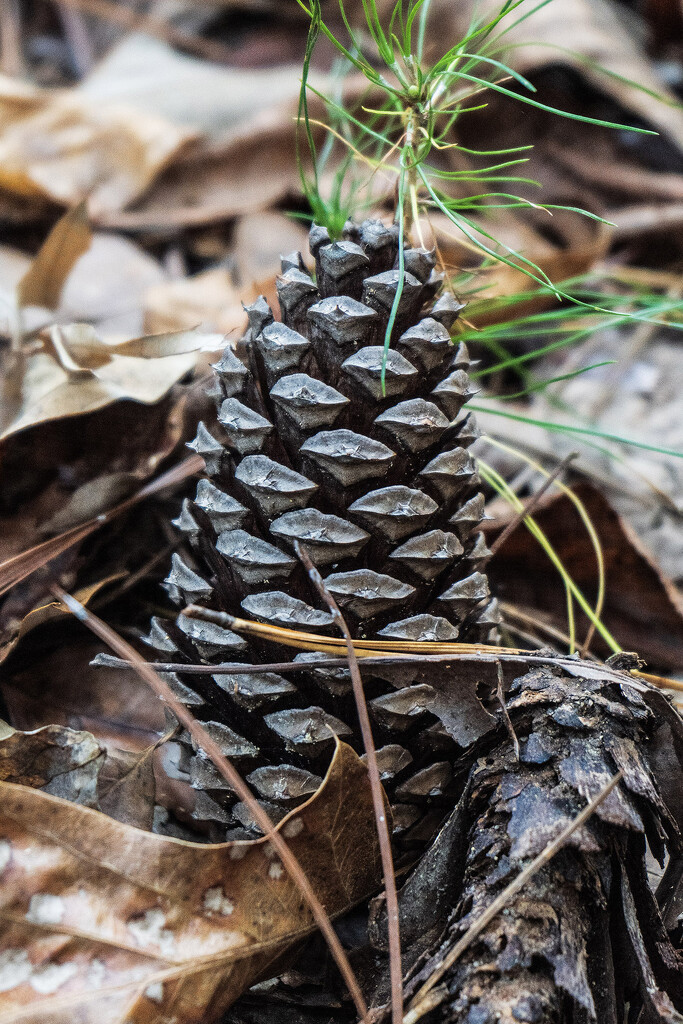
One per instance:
(103, 922)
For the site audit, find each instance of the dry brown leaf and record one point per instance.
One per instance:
(126, 787)
(596, 35)
(260, 239)
(89, 148)
(245, 159)
(586, 35)
(584, 243)
(105, 287)
(55, 760)
(48, 613)
(105, 923)
(209, 99)
(58, 685)
(74, 766)
(250, 172)
(42, 284)
(75, 372)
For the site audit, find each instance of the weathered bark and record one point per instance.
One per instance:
(585, 939)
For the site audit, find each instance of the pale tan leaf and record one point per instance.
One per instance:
(77, 372)
(104, 923)
(168, 343)
(126, 787)
(87, 351)
(209, 299)
(107, 285)
(260, 239)
(42, 284)
(150, 75)
(89, 148)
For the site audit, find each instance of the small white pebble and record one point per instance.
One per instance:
(15, 968)
(149, 930)
(49, 978)
(275, 870)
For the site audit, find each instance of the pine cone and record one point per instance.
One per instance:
(379, 486)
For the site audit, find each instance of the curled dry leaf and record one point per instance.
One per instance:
(105, 287)
(75, 372)
(245, 158)
(44, 613)
(210, 299)
(42, 283)
(105, 923)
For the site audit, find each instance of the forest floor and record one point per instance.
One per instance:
(174, 123)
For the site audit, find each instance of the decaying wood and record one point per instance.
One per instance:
(585, 938)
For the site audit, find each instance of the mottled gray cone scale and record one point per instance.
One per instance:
(380, 488)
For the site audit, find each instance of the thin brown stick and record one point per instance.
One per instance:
(78, 36)
(14, 570)
(532, 504)
(634, 221)
(232, 776)
(424, 999)
(533, 618)
(378, 798)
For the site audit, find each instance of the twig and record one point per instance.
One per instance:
(378, 798)
(634, 221)
(532, 504)
(478, 655)
(234, 779)
(425, 999)
(78, 37)
(534, 618)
